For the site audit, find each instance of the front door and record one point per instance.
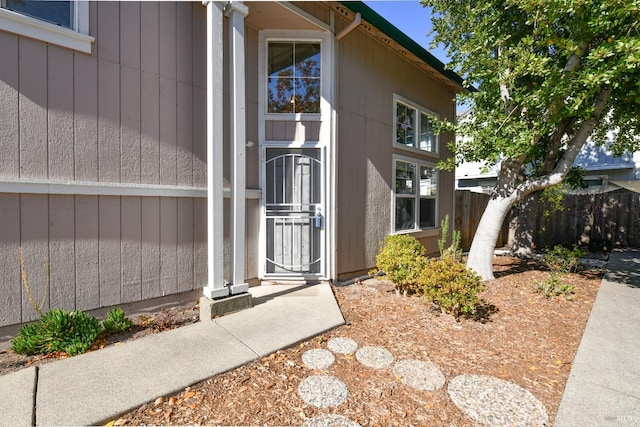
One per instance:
(293, 199)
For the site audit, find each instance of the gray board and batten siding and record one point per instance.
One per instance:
(368, 75)
(132, 112)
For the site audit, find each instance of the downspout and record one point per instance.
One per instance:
(334, 149)
(350, 27)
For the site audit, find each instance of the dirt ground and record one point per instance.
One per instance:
(521, 337)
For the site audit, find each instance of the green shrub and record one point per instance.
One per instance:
(117, 321)
(58, 331)
(402, 258)
(552, 287)
(560, 259)
(451, 285)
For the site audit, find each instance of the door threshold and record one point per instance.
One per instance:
(291, 282)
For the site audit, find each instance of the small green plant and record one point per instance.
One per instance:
(116, 321)
(453, 251)
(553, 287)
(71, 332)
(560, 259)
(451, 285)
(402, 258)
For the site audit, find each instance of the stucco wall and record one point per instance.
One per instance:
(368, 75)
(131, 112)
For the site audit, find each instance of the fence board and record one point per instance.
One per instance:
(613, 217)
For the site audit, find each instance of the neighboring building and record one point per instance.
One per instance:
(297, 133)
(604, 172)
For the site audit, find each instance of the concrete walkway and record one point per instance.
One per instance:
(97, 387)
(604, 384)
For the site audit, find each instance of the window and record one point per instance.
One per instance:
(293, 75)
(416, 188)
(413, 127)
(55, 12)
(63, 23)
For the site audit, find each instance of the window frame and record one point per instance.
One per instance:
(77, 38)
(416, 197)
(326, 85)
(417, 124)
(294, 78)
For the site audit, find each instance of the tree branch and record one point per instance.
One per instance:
(574, 60)
(560, 171)
(554, 145)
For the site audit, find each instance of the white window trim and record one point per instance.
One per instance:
(420, 109)
(76, 39)
(321, 37)
(416, 231)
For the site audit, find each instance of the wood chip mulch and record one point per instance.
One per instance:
(521, 337)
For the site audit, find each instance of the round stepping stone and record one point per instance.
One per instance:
(419, 374)
(330, 420)
(342, 345)
(322, 391)
(496, 402)
(374, 357)
(318, 358)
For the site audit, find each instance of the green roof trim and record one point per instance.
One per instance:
(401, 38)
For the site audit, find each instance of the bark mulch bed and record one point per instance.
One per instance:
(520, 336)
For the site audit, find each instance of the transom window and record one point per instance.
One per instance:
(56, 12)
(415, 194)
(413, 127)
(293, 75)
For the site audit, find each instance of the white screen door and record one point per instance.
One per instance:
(294, 212)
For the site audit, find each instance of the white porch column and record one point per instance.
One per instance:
(215, 287)
(236, 11)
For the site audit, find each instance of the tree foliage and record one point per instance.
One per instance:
(543, 70)
(549, 74)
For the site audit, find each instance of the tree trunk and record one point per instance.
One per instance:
(522, 244)
(484, 242)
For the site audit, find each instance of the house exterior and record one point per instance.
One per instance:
(603, 172)
(153, 148)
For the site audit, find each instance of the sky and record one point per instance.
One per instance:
(412, 19)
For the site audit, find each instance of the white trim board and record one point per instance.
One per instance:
(40, 30)
(90, 188)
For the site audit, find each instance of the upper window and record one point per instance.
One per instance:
(413, 127)
(63, 23)
(55, 12)
(293, 77)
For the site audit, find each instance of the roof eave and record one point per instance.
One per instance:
(405, 41)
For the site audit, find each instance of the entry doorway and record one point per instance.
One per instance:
(294, 210)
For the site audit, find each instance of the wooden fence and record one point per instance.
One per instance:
(611, 219)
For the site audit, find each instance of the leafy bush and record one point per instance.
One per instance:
(451, 285)
(402, 258)
(552, 287)
(117, 321)
(560, 259)
(58, 331)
